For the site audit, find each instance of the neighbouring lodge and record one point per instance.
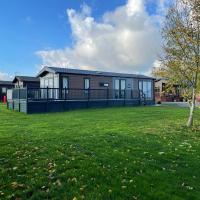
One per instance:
(174, 94)
(62, 89)
(4, 86)
(26, 81)
(164, 95)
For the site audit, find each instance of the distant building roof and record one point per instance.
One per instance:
(161, 79)
(6, 83)
(26, 79)
(89, 72)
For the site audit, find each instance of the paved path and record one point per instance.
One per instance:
(180, 104)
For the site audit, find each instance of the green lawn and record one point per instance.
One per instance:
(134, 153)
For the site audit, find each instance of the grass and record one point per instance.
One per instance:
(139, 153)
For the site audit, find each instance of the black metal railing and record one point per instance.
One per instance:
(19, 93)
(55, 94)
(142, 97)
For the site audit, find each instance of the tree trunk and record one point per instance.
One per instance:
(192, 108)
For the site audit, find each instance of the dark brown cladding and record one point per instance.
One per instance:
(77, 81)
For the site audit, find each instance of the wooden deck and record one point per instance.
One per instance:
(56, 100)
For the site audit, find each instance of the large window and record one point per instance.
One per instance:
(51, 90)
(65, 85)
(122, 84)
(50, 83)
(86, 83)
(46, 83)
(65, 82)
(120, 87)
(146, 88)
(117, 84)
(4, 90)
(42, 83)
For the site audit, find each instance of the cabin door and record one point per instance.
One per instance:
(50, 85)
(65, 85)
(120, 86)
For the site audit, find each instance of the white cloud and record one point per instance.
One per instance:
(126, 39)
(4, 76)
(163, 5)
(157, 64)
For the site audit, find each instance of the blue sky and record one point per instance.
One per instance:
(28, 26)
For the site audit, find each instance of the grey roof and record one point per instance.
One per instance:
(89, 72)
(160, 79)
(26, 79)
(6, 83)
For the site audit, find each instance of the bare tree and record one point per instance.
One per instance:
(181, 59)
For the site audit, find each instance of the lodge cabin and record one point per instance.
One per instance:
(62, 78)
(62, 89)
(162, 94)
(4, 86)
(26, 81)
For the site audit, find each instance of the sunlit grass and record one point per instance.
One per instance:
(114, 153)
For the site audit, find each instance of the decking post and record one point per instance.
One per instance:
(107, 96)
(132, 96)
(13, 104)
(52, 89)
(27, 99)
(124, 97)
(65, 93)
(154, 95)
(47, 93)
(88, 96)
(47, 98)
(6, 99)
(19, 99)
(65, 98)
